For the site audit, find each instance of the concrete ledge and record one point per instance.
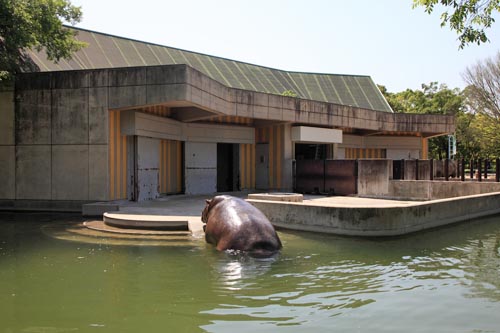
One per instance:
(432, 190)
(276, 196)
(161, 222)
(101, 226)
(99, 208)
(43, 205)
(378, 221)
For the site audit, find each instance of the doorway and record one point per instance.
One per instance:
(306, 151)
(227, 167)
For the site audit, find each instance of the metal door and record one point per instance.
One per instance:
(262, 166)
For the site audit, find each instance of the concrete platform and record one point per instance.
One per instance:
(92, 233)
(277, 196)
(103, 227)
(376, 217)
(341, 215)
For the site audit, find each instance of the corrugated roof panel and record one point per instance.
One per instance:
(130, 53)
(224, 72)
(374, 95)
(241, 75)
(88, 53)
(273, 77)
(357, 93)
(106, 51)
(213, 71)
(299, 79)
(202, 64)
(146, 54)
(164, 55)
(342, 91)
(266, 79)
(251, 75)
(329, 89)
(96, 53)
(236, 79)
(312, 84)
(177, 56)
(194, 61)
(119, 59)
(285, 81)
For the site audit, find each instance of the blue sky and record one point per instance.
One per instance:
(396, 45)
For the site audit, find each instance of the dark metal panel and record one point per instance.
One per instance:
(341, 177)
(310, 176)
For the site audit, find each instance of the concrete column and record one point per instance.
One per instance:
(287, 174)
(425, 149)
(7, 148)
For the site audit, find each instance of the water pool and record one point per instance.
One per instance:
(444, 280)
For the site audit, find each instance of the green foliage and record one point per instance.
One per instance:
(469, 18)
(289, 93)
(433, 98)
(487, 135)
(477, 128)
(35, 24)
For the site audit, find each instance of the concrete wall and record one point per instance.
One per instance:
(200, 167)
(373, 177)
(432, 190)
(61, 139)
(378, 221)
(424, 169)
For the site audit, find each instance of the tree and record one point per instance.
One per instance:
(35, 24)
(469, 18)
(483, 90)
(433, 98)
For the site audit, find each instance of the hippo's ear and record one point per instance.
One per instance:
(208, 201)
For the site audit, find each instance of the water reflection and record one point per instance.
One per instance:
(235, 270)
(418, 281)
(445, 280)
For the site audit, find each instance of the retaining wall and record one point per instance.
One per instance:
(379, 221)
(432, 190)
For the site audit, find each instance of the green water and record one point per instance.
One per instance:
(446, 280)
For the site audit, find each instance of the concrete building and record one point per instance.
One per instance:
(126, 119)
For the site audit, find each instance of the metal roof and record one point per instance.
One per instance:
(107, 51)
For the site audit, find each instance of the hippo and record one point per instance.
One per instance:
(234, 224)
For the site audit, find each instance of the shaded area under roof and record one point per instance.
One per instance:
(107, 51)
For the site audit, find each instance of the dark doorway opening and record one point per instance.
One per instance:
(306, 151)
(227, 167)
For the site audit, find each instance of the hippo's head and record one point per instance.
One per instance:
(204, 213)
(210, 203)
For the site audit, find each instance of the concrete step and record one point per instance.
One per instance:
(146, 222)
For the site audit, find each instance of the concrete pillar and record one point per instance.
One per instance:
(7, 149)
(287, 175)
(425, 149)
